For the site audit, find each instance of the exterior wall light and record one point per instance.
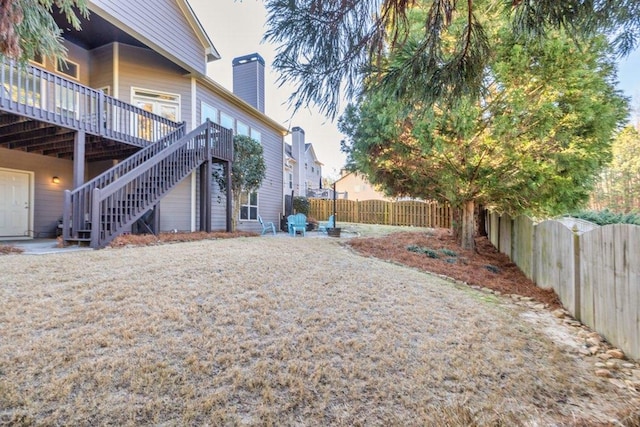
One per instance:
(55, 180)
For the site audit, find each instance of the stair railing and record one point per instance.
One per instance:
(119, 204)
(77, 203)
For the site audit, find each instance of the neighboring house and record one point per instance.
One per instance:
(116, 139)
(302, 169)
(355, 186)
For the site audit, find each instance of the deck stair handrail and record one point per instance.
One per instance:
(77, 202)
(119, 204)
(32, 92)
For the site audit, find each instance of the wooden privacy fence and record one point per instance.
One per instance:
(594, 270)
(409, 213)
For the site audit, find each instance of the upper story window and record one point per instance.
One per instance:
(68, 68)
(38, 60)
(242, 128)
(208, 112)
(256, 135)
(226, 121)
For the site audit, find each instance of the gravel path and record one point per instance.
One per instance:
(259, 331)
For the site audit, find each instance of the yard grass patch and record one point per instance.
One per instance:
(258, 331)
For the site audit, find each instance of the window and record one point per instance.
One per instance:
(38, 59)
(166, 105)
(249, 206)
(312, 169)
(290, 181)
(226, 121)
(241, 128)
(208, 112)
(68, 68)
(256, 135)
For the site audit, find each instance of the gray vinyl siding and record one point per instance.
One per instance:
(76, 55)
(144, 69)
(48, 197)
(161, 22)
(175, 208)
(270, 198)
(101, 60)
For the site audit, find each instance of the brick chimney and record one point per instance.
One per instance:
(248, 79)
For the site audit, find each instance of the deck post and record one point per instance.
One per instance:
(66, 216)
(78, 158)
(229, 196)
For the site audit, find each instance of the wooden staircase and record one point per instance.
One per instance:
(111, 203)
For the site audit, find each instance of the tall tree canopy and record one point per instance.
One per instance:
(327, 47)
(533, 141)
(28, 30)
(619, 186)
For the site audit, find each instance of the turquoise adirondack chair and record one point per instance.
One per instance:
(266, 226)
(331, 223)
(297, 222)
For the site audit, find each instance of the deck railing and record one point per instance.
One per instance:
(38, 94)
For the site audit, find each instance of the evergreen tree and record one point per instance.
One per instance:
(533, 142)
(28, 30)
(328, 48)
(619, 185)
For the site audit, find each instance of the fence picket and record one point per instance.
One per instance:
(596, 273)
(407, 213)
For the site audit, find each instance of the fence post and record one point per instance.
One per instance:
(576, 273)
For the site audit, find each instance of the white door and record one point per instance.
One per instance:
(14, 203)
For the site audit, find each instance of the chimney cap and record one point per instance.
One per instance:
(247, 58)
(297, 129)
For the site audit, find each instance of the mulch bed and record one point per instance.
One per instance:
(437, 252)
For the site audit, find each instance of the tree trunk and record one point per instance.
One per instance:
(235, 210)
(468, 225)
(482, 221)
(456, 222)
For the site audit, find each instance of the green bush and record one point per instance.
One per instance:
(420, 250)
(301, 205)
(605, 217)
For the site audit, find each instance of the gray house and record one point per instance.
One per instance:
(124, 136)
(302, 169)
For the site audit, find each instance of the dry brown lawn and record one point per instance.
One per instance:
(277, 331)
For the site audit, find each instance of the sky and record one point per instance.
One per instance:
(236, 28)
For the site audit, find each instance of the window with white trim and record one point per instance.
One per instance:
(68, 68)
(256, 135)
(226, 121)
(242, 128)
(208, 112)
(249, 206)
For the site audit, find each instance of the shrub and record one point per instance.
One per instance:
(301, 205)
(420, 250)
(448, 252)
(606, 216)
